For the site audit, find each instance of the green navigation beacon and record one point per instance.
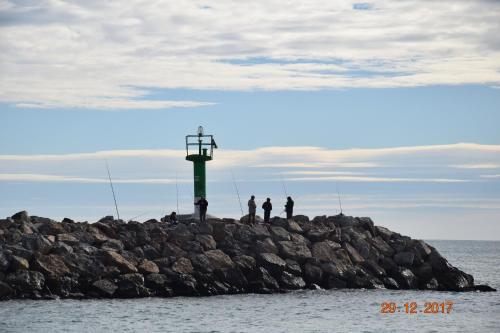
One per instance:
(197, 151)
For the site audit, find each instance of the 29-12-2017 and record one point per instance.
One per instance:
(414, 308)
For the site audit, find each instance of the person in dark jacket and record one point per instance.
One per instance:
(173, 218)
(202, 206)
(289, 208)
(267, 207)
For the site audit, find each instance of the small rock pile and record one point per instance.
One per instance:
(43, 259)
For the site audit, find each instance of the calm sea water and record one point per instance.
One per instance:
(304, 311)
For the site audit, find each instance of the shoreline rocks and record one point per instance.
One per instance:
(44, 259)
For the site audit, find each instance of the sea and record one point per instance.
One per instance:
(301, 311)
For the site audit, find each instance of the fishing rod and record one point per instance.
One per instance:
(237, 192)
(112, 189)
(177, 192)
(338, 194)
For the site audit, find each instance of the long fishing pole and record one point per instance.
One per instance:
(284, 190)
(338, 194)
(237, 192)
(112, 190)
(177, 193)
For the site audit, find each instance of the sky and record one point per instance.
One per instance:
(393, 106)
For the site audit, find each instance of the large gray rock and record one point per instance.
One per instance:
(404, 258)
(206, 241)
(272, 263)
(148, 267)
(290, 281)
(325, 250)
(280, 234)
(183, 266)
(113, 258)
(265, 246)
(353, 253)
(218, 259)
(51, 265)
(26, 281)
(296, 251)
(21, 216)
(36, 243)
(104, 287)
(405, 278)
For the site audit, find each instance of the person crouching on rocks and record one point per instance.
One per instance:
(267, 207)
(289, 208)
(173, 218)
(252, 208)
(202, 206)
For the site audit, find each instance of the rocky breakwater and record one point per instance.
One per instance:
(43, 259)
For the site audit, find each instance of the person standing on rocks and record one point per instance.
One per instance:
(289, 208)
(203, 206)
(252, 208)
(267, 207)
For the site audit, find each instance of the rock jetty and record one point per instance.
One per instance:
(44, 259)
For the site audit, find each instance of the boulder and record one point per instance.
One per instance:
(272, 263)
(51, 265)
(4, 262)
(317, 235)
(290, 281)
(104, 287)
(26, 281)
(280, 234)
(296, 251)
(19, 263)
(21, 216)
(36, 243)
(260, 231)
(183, 266)
(265, 246)
(148, 267)
(404, 258)
(313, 274)
(293, 226)
(206, 241)
(132, 285)
(172, 250)
(405, 278)
(67, 238)
(112, 245)
(353, 253)
(113, 258)
(245, 263)
(325, 250)
(293, 267)
(218, 259)
(62, 249)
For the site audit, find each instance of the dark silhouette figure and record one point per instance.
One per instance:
(202, 205)
(173, 218)
(289, 208)
(252, 208)
(267, 207)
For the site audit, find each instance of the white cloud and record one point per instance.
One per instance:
(108, 55)
(417, 164)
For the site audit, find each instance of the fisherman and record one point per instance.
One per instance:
(202, 206)
(267, 207)
(252, 207)
(173, 218)
(289, 208)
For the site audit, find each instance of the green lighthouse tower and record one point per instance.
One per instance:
(199, 150)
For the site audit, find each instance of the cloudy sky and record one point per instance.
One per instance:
(395, 105)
